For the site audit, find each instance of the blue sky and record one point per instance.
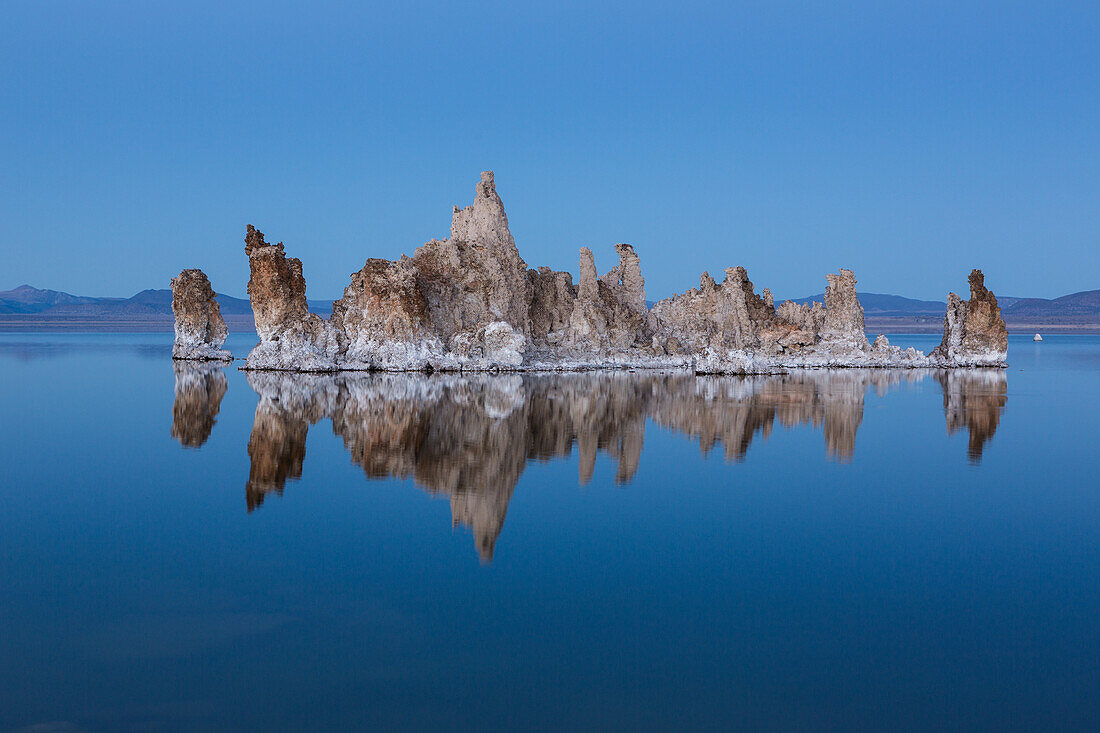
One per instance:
(909, 141)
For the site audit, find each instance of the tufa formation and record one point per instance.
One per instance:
(469, 303)
(974, 333)
(200, 330)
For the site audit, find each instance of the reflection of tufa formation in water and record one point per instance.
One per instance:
(974, 400)
(200, 387)
(470, 437)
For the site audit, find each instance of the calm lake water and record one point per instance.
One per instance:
(187, 548)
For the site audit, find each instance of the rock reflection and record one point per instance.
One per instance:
(470, 437)
(974, 399)
(199, 391)
(734, 410)
(277, 446)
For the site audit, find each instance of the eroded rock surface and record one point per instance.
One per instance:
(843, 313)
(469, 303)
(291, 338)
(974, 332)
(384, 318)
(728, 328)
(609, 313)
(808, 317)
(476, 276)
(200, 329)
(725, 324)
(551, 297)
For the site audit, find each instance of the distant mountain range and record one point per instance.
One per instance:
(27, 300)
(893, 312)
(1085, 303)
(27, 307)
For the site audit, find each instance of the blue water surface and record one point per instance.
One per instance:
(201, 549)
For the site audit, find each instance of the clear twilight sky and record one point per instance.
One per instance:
(909, 141)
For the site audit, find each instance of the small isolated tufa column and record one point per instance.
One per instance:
(200, 330)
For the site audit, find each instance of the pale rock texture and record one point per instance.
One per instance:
(727, 328)
(461, 303)
(725, 322)
(625, 281)
(843, 313)
(200, 329)
(610, 311)
(807, 317)
(291, 337)
(494, 344)
(551, 296)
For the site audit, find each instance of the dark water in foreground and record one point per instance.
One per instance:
(196, 549)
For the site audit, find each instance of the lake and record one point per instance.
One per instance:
(186, 547)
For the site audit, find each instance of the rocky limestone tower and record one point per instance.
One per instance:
(475, 281)
(291, 337)
(610, 312)
(985, 328)
(974, 332)
(587, 322)
(625, 280)
(200, 329)
(843, 313)
(588, 285)
(747, 311)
